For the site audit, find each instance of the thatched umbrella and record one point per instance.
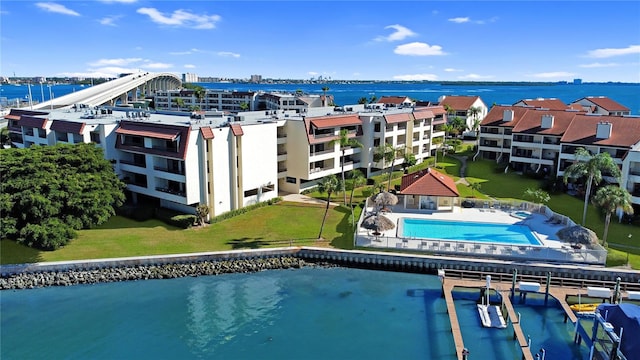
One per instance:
(377, 223)
(578, 234)
(385, 199)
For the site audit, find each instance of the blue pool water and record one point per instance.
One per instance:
(513, 234)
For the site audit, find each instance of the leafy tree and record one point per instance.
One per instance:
(610, 198)
(345, 143)
(475, 186)
(49, 192)
(387, 154)
(409, 160)
(538, 196)
(591, 167)
(244, 106)
(202, 211)
(329, 185)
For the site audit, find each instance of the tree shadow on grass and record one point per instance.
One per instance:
(13, 253)
(121, 222)
(344, 227)
(248, 243)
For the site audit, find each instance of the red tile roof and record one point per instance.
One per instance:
(551, 104)
(423, 114)
(67, 126)
(396, 100)
(428, 182)
(437, 110)
(207, 133)
(531, 122)
(14, 114)
(625, 131)
(605, 103)
(236, 129)
(32, 121)
(459, 102)
(327, 122)
(398, 118)
(496, 115)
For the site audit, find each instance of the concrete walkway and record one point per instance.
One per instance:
(307, 199)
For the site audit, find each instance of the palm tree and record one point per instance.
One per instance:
(179, 103)
(362, 100)
(386, 153)
(324, 94)
(329, 184)
(345, 143)
(357, 180)
(200, 93)
(610, 198)
(592, 168)
(436, 141)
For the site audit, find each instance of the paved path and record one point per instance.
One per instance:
(307, 199)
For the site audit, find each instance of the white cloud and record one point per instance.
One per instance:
(416, 77)
(400, 33)
(475, 77)
(460, 20)
(115, 62)
(228, 54)
(157, 65)
(551, 75)
(453, 70)
(610, 52)
(119, 1)
(56, 8)
(181, 18)
(109, 20)
(313, 73)
(418, 49)
(598, 65)
(189, 66)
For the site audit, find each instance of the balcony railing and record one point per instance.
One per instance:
(134, 163)
(169, 170)
(171, 191)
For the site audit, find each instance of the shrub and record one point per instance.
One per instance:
(183, 221)
(368, 191)
(236, 212)
(49, 235)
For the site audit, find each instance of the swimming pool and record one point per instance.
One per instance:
(513, 234)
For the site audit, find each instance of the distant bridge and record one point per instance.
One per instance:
(110, 92)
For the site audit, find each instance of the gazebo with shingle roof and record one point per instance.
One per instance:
(429, 190)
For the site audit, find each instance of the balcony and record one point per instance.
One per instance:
(177, 171)
(171, 191)
(141, 164)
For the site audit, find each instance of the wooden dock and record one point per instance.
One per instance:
(448, 286)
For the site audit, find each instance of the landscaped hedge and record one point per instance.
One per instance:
(236, 212)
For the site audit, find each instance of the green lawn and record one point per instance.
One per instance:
(298, 224)
(511, 185)
(269, 226)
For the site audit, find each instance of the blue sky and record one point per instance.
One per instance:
(360, 40)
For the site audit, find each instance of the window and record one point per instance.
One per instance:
(252, 192)
(376, 127)
(291, 180)
(42, 133)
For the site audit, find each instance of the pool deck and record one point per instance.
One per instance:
(551, 248)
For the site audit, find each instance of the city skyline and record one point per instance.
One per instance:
(353, 40)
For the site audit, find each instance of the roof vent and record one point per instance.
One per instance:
(547, 121)
(603, 131)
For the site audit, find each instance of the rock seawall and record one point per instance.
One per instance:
(145, 272)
